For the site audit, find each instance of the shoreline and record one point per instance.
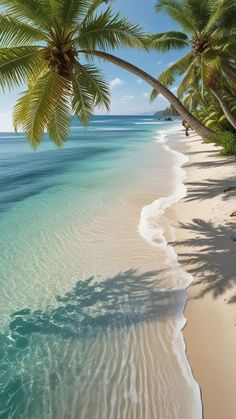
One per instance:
(202, 220)
(154, 234)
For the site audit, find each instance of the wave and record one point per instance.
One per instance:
(155, 235)
(94, 129)
(150, 123)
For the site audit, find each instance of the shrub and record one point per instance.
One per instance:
(227, 140)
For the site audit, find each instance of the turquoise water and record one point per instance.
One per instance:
(87, 306)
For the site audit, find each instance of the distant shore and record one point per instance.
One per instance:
(206, 247)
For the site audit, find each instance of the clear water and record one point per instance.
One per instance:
(90, 311)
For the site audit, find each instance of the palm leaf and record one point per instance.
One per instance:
(17, 64)
(59, 123)
(73, 11)
(37, 12)
(16, 33)
(166, 41)
(168, 77)
(108, 31)
(177, 10)
(198, 12)
(223, 13)
(96, 86)
(189, 80)
(36, 109)
(82, 100)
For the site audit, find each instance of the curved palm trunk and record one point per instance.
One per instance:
(200, 129)
(225, 108)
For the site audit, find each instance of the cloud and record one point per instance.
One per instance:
(126, 97)
(146, 94)
(116, 82)
(170, 64)
(139, 81)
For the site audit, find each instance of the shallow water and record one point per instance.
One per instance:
(91, 294)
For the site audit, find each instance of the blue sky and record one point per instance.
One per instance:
(129, 94)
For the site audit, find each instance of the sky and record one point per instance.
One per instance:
(130, 95)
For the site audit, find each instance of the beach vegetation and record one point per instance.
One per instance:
(208, 64)
(227, 140)
(48, 47)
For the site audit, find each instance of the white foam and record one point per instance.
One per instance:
(150, 123)
(154, 234)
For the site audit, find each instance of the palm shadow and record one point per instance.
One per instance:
(211, 188)
(42, 353)
(211, 257)
(90, 307)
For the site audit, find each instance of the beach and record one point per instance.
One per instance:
(204, 243)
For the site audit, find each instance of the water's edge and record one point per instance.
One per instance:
(156, 237)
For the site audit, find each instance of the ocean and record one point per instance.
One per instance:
(92, 295)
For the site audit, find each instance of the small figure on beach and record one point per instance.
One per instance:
(187, 127)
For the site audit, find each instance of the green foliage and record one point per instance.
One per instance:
(43, 44)
(227, 140)
(209, 31)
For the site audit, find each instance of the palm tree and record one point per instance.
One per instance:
(209, 29)
(45, 44)
(207, 109)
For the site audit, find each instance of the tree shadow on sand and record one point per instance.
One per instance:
(211, 256)
(211, 188)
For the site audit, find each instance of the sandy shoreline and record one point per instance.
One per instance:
(205, 247)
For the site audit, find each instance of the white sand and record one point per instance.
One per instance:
(204, 233)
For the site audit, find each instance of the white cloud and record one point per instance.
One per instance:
(146, 94)
(126, 97)
(116, 82)
(171, 63)
(139, 81)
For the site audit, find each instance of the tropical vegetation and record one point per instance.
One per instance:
(207, 70)
(47, 46)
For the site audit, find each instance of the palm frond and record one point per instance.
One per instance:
(176, 9)
(177, 69)
(109, 31)
(17, 33)
(82, 100)
(198, 12)
(223, 14)
(96, 86)
(190, 79)
(94, 5)
(166, 41)
(35, 110)
(36, 12)
(59, 124)
(17, 64)
(73, 11)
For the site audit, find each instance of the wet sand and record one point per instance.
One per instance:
(205, 244)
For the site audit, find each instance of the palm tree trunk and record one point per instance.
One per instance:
(200, 129)
(225, 108)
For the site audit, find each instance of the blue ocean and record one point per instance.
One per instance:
(92, 296)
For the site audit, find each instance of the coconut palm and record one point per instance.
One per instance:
(208, 37)
(207, 109)
(45, 44)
